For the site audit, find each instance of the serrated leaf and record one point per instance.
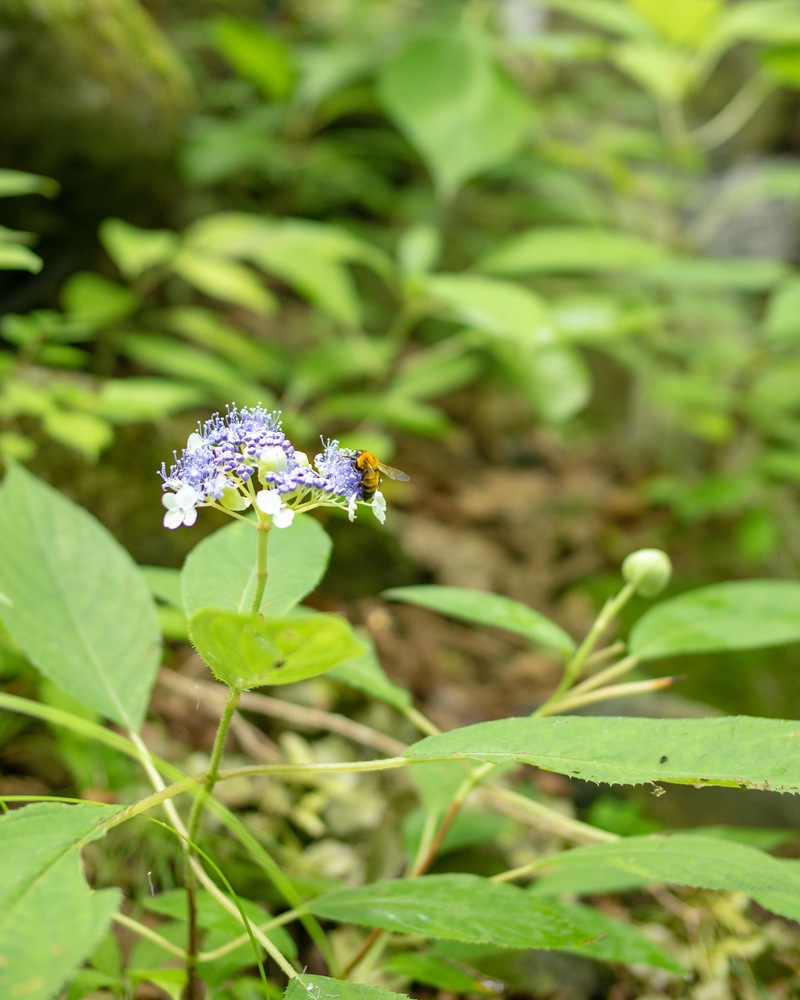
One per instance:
(78, 605)
(463, 907)
(50, 920)
(482, 608)
(681, 858)
(740, 751)
(220, 572)
(308, 987)
(743, 614)
(246, 651)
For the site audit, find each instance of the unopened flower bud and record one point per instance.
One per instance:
(649, 570)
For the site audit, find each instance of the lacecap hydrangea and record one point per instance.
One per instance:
(244, 459)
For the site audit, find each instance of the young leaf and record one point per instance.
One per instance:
(481, 608)
(463, 907)
(322, 988)
(683, 859)
(220, 571)
(75, 601)
(245, 651)
(463, 116)
(744, 614)
(739, 751)
(50, 920)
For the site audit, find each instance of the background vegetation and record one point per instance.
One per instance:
(542, 256)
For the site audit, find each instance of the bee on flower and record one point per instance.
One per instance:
(243, 459)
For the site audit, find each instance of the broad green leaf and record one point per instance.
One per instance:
(223, 279)
(185, 362)
(558, 248)
(134, 400)
(553, 376)
(14, 257)
(709, 273)
(502, 308)
(136, 250)
(220, 571)
(365, 673)
(77, 604)
(18, 182)
(682, 859)
(245, 651)
(306, 987)
(455, 106)
(438, 369)
(783, 64)
(50, 920)
(433, 971)
(782, 319)
(258, 56)
(683, 22)
(737, 752)
(667, 72)
(758, 21)
(462, 907)
(90, 298)
(481, 608)
(418, 250)
(743, 614)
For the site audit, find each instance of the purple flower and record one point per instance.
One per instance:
(229, 457)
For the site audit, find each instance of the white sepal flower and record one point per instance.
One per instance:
(269, 502)
(379, 507)
(181, 507)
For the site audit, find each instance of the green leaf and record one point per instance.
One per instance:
(744, 614)
(322, 988)
(91, 298)
(220, 571)
(76, 602)
(736, 752)
(365, 673)
(558, 248)
(223, 279)
(50, 920)
(454, 105)
(502, 308)
(433, 971)
(780, 321)
(259, 57)
(667, 72)
(684, 22)
(14, 257)
(482, 608)
(609, 15)
(682, 859)
(709, 273)
(136, 250)
(18, 182)
(245, 651)
(468, 908)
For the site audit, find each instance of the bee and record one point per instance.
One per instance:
(371, 471)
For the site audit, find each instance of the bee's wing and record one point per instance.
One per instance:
(391, 473)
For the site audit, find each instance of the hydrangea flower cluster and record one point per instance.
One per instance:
(243, 458)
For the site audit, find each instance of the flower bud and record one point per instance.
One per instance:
(648, 570)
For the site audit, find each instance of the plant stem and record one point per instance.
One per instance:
(263, 526)
(573, 668)
(193, 990)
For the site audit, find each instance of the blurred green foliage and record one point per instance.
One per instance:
(582, 205)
